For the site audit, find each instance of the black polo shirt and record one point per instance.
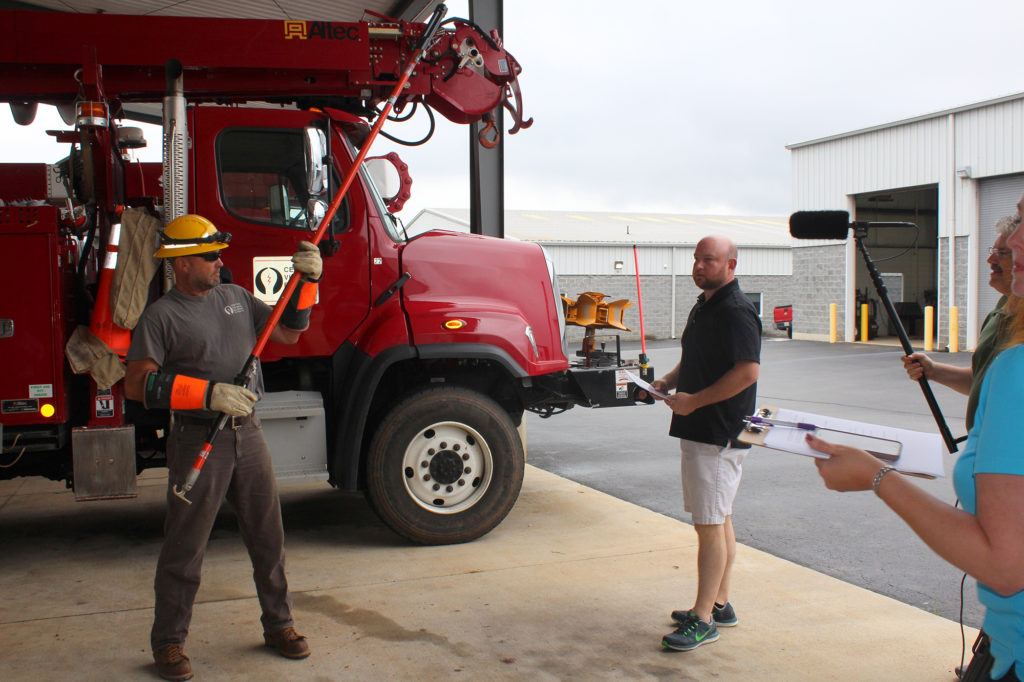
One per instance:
(719, 333)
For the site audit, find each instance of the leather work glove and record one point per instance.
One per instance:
(234, 401)
(307, 261)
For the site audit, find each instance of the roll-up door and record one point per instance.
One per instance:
(998, 197)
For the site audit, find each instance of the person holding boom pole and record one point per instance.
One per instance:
(985, 538)
(248, 483)
(185, 353)
(991, 339)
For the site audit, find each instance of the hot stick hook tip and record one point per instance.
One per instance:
(180, 494)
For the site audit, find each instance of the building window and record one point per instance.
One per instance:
(756, 300)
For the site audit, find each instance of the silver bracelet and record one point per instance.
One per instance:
(879, 476)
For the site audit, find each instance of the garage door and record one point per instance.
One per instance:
(998, 198)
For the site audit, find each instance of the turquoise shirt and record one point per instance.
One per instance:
(994, 446)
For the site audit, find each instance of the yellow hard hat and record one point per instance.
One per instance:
(189, 235)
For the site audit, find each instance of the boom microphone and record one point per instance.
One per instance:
(819, 224)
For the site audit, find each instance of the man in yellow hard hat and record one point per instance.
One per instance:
(185, 354)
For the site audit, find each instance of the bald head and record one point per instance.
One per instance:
(718, 244)
(714, 263)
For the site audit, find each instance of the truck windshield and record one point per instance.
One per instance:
(391, 224)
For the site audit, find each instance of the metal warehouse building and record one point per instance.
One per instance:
(594, 252)
(953, 173)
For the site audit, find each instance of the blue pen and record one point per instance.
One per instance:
(775, 422)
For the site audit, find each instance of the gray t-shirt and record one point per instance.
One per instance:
(208, 337)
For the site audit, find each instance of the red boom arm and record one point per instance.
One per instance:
(47, 57)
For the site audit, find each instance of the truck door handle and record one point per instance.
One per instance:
(399, 283)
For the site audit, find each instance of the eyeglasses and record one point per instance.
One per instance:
(209, 256)
(999, 253)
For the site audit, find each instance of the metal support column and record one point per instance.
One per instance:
(487, 166)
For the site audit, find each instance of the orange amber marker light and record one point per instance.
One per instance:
(92, 114)
(454, 324)
(47, 410)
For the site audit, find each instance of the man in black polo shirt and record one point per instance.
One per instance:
(716, 384)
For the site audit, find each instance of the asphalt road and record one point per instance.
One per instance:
(783, 507)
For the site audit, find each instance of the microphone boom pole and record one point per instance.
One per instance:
(860, 230)
(836, 225)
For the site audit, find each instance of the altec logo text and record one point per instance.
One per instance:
(323, 30)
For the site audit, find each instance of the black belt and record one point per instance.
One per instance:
(185, 419)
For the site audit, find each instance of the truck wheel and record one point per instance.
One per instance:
(445, 466)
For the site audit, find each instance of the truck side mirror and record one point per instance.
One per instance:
(314, 149)
(316, 209)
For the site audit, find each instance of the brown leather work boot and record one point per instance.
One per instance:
(288, 643)
(172, 663)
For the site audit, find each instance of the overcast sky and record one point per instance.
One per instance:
(686, 107)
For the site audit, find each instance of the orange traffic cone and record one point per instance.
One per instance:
(102, 325)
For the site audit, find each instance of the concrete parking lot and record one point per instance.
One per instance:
(782, 507)
(575, 584)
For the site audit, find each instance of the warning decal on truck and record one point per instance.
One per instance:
(269, 275)
(104, 403)
(621, 384)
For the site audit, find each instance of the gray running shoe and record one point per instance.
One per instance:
(724, 617)
(691, 634)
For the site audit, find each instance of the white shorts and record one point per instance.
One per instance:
(711, 477)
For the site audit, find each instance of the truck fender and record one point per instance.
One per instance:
(359, 376)
(476, 351)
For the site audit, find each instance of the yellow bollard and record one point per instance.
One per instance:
(954, 330)
(863, 321)
(929, 325)
(832, 316)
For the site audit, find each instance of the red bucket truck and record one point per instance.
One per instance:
(423, 354)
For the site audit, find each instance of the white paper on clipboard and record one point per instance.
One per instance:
(646, 386)
(919, 453)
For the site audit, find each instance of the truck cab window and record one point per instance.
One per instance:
(262, 178)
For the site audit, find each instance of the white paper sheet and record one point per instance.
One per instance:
(644, 385)
(919, 453)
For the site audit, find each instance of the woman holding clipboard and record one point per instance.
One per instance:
(985, 539)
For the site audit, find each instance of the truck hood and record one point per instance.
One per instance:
(471, 289)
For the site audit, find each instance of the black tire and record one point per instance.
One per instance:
(445, 466)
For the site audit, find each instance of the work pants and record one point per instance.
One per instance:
(238, 470)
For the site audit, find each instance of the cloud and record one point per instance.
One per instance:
(687, 107)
